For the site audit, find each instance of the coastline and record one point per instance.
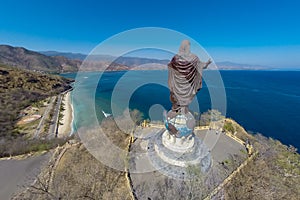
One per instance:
(65, 129)
(268, 122)
(72, 114)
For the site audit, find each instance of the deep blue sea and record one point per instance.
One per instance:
(267, 102)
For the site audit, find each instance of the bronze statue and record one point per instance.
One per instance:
(185, 80)
(185, 77)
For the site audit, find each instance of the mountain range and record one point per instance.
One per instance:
(25, 59)
(58, 62)
(139, 63)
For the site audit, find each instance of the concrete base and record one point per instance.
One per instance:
(173, 156)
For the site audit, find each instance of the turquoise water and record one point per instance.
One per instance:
(262, 101)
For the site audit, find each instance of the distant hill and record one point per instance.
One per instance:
(123, 60)
(53, 61)
(112, 63)
(227, 65)
(25, 59)
(137, 61)
(100, 62)
(79, 56)
(73, 56)
(123, 63)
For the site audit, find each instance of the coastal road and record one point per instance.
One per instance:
(42, 121)
(16, 175)
(54, 125)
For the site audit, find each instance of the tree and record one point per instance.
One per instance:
(129, 120)
(136, 116)
(228, 126)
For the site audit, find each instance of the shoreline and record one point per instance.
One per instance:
(72, 121)
(65, 129)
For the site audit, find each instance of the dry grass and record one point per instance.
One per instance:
(79, 175)
(274, 174)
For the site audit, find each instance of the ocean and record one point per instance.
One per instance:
(266, 102)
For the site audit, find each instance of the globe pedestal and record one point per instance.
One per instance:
(172, 155)
(180, 124)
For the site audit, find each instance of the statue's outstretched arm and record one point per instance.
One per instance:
(206, 64)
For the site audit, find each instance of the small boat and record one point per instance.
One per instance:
(106, 114)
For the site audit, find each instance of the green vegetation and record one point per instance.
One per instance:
(207, 117)
(20, 146)
(28, 129)
(228, 126)
(61, 109)
(234, 128)
(47, 125)
(131, 121)
(38, 104)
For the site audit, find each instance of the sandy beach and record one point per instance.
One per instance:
(65, 128)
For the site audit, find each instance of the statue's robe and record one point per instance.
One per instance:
(185, 80)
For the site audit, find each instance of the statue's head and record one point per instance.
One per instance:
(185, 48)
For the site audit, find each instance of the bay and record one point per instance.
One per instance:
(267, 102)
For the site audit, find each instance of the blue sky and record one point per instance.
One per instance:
(249, 31)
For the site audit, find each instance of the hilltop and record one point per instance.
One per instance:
(273, 173)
